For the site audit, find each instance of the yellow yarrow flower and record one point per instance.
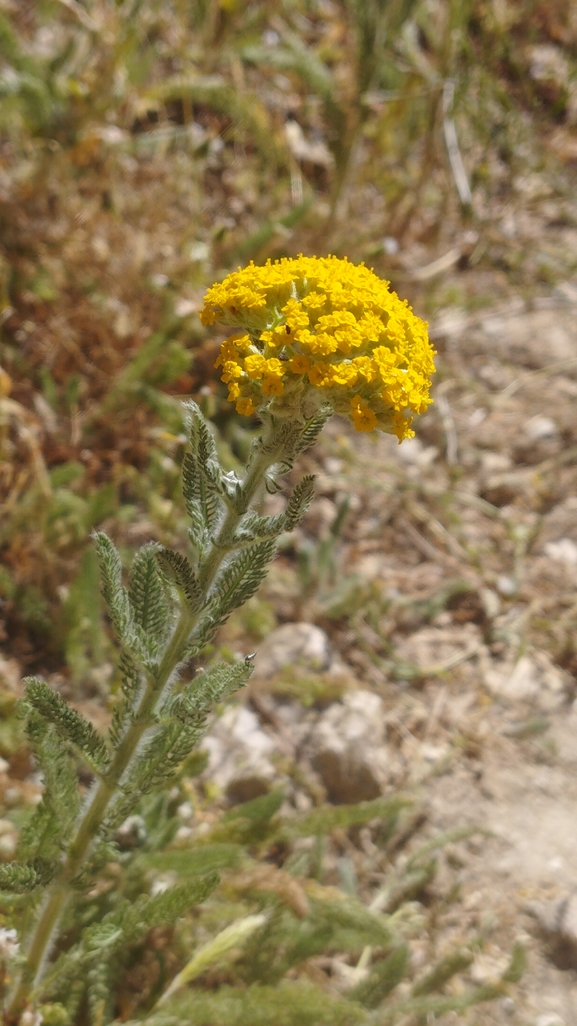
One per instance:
(361, 414)
(318, 331)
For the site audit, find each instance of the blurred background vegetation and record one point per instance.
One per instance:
(146, 147)
(149, 146)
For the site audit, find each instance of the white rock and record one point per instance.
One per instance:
(9, 945)
(506, 585)
(477, 416)
(198, 252)
(562, 551)
(347, 748)
(434, 753)
(185, 811)
(293, 644)
(540, 427)
(450, 322)
(240, 754)
(558, 920)
(495, 462)
(488, 967)
(532, 678)
(517, 682)
(433, 646)
(184, 307)
(390, 245)
(508, 1005)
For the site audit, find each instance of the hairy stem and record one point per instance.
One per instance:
(46, 928)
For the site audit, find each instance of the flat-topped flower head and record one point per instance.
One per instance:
(317, 331)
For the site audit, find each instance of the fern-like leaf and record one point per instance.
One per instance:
(299, 502)
(148, 598)
(179, 569)
(383, 978)
(313, 429)
(48, 831)
(99, 988)
(192, 862)
(113, 591)
(202, 483)
(210, 687)
(130, 686)
(290, 1003)
(241, 577)
(69, 724)
(184, 720)
(453, 963)
(167, 906)
(18, 877)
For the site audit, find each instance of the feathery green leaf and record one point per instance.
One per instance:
(382, 979)
(241, 576)
(321, 820)
(148, 598)
(195, 861)
(178, 568)
(202, 484)
(50, 827)
(299, 502)
(114, 593)
(454, 962)
(130, 687)
(289, 1003)
(70, 725)
(18, 877)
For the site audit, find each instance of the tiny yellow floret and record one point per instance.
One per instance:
(318, 331)
(362, 416)
(246, 407)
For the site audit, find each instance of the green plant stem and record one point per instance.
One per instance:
(46, 927)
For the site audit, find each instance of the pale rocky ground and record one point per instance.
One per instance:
(484, 719)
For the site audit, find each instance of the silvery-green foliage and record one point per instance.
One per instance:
(20, 877)
(202, 503)
(179, 569)
(151, 611)
(49, 829)
(297, 441)
(312, 429)
(131, 682)
(141, 614)
(202, 481)
(114, 593)
(333, 923)
(206, 689)
(100, 953)
(70, 725)
(170, 607)
(240, 577)
(187, 862)
(262, 528)
(181, 723)
(299, 502)
(444, 970)
(383, 978)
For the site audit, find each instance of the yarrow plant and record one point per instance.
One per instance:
(313, 336)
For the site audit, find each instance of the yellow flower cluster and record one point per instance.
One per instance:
(318, 330)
